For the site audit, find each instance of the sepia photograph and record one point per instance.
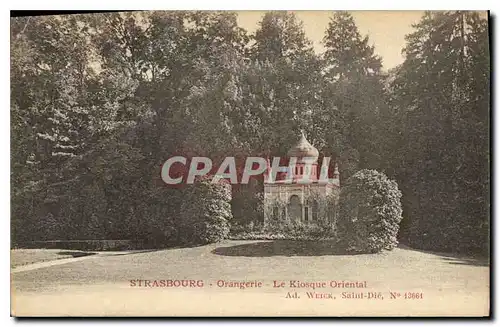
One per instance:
(173, 163)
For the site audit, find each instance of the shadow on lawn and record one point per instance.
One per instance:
(320, 248)
(282, 248)
(458, 260)
(75, 254)
(455, 258)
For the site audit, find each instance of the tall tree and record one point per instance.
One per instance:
(54, 119)
(355, 94)
(286, 73)
(442, 89)
(348, 54)
(50, 73)
(281, 36)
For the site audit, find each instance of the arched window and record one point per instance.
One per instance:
(295, 208)
(315, 208)
(276, 212)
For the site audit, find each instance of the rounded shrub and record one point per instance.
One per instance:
(205, 212)
(370, 212)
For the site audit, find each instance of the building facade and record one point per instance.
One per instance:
(303, 191)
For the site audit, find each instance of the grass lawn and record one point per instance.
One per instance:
(451, 285)
(21, 257)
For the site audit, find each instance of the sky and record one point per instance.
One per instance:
(386, 29)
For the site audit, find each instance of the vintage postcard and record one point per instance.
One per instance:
(252, 163)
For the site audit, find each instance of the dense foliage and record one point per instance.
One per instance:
(99, 102)
(441, 99)
(370, 212)
(247, 204)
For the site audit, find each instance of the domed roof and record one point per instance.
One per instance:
(303, 149)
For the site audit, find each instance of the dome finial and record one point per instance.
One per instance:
(303, 148)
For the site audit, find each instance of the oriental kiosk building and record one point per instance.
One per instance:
(303, 192)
